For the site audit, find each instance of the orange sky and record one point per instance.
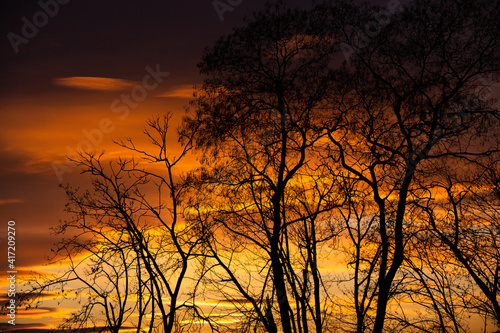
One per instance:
(60, 90)
(62, 83)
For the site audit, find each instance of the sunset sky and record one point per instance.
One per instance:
(62, 83)
(79, 75)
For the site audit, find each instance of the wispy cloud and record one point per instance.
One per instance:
(29, 296)
(179, 91)
(95, 83)
(10, 201)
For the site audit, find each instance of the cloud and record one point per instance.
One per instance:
(26, 296)
(44, 328)
(10, 201)
(179, 91)
(95, 83)
(25, 328)
(224, 303)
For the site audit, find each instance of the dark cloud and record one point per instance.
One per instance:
(110, 39)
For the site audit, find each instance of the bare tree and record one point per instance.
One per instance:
(128, 250)
(411, 95)
(437, 286)
(466, 225)
(266, 84)
(320, 131)
(361, 244)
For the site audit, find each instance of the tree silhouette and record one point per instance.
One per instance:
(412, 96)
(466, 225)
(348, 182)
(266, 84)
(128, 251)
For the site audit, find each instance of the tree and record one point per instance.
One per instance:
(316, 138)
(437, 285)
(128, 251)
(362, 247)
(411, 94)
(269, 196)
(466, 225)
